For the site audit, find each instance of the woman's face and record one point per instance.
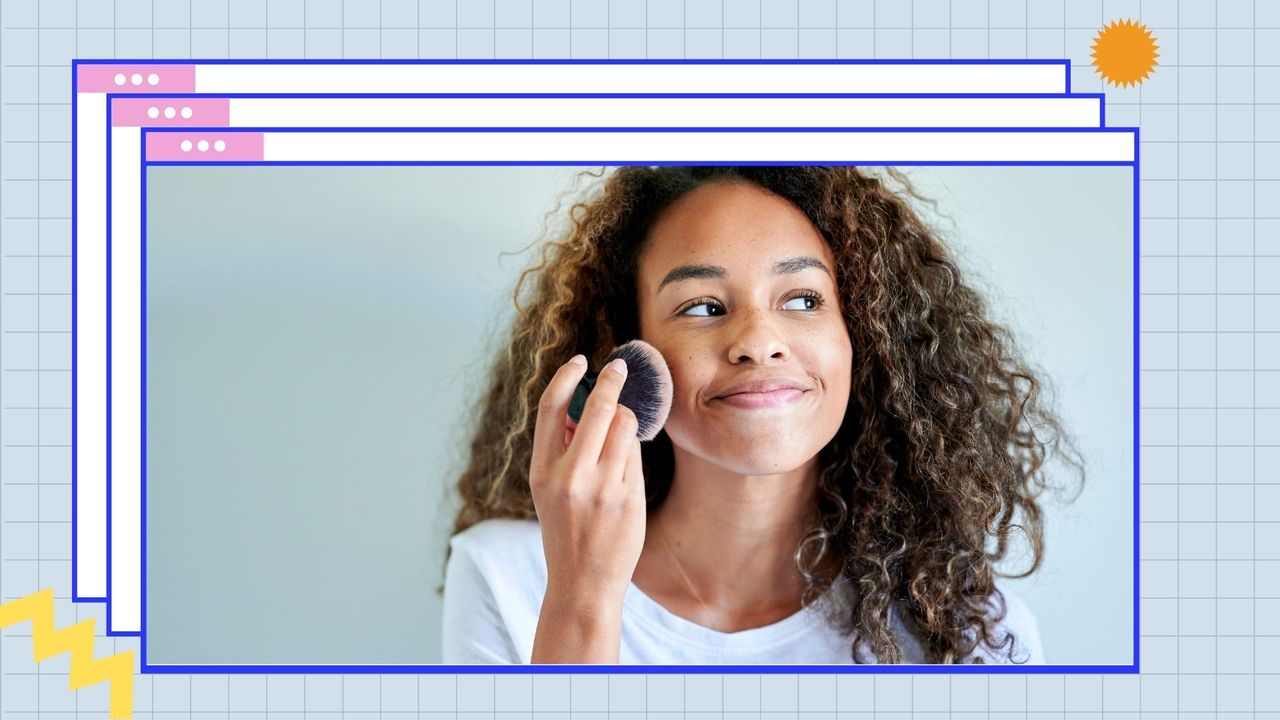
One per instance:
(725, 282)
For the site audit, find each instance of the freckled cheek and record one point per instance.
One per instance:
(839, 372)
(685, 390)
(831, 361)
(688, 383)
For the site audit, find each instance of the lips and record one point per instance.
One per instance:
(762, 385)
(763, 393)
(759, 400)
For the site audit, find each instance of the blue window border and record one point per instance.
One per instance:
(660, 669)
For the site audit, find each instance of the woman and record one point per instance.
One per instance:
(849, 440)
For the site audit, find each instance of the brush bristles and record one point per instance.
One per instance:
(648, 389)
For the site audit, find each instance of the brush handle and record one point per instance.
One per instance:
(580, 393)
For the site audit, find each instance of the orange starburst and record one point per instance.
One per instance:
(1124, 52)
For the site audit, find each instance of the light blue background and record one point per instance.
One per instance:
(1210, 119)
(316, 338)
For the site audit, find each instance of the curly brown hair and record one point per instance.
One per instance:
(940, 456)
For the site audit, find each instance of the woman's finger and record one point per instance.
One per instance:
(634, 473)
(553, 408)
(570, 426)
(617, 446)
(597, 414)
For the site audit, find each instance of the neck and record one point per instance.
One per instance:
(735, 535)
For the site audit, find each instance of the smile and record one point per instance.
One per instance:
(760, 400)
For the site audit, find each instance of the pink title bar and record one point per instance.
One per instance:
(204, 146)
(136, 78)
(171, 112)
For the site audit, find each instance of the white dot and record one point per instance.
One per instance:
(203, 145)
(136, 79)
(186, 112)
(219, 146)
(153, 79)
(120, 78)
(153, 112)
(168, 112)
(186, 146)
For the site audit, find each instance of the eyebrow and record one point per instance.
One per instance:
(707, 272)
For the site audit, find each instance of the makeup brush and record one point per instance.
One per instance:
(646, 392)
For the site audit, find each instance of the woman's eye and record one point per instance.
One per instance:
(807, 302)
(699, 304)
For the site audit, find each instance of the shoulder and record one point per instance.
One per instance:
(1018, 623)
(504, 551)
(500, 541)
(494, 581)
(503, 531)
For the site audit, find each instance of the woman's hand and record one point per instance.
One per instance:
(587, 483)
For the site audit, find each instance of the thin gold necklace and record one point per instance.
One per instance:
(693, 589)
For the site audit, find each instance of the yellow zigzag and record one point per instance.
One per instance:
(78, 640)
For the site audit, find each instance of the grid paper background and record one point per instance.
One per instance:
(1210, 348)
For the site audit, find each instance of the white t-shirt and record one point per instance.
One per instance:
(497, 575)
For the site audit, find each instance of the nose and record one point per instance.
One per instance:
(755, 338)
